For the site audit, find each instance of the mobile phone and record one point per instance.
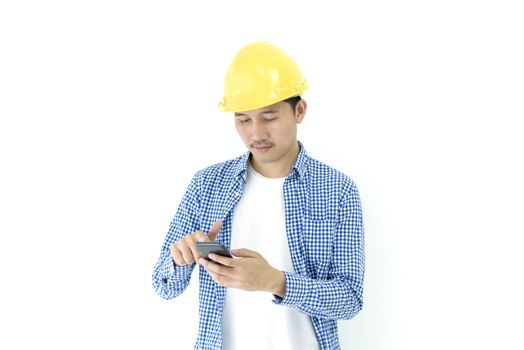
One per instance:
(206, 248)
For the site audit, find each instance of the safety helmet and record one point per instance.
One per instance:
(260, 75)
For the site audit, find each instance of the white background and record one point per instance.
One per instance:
(109, 107)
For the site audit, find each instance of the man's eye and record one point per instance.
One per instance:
(269, 119)
(243, 120)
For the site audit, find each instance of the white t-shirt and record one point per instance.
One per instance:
(251, 320)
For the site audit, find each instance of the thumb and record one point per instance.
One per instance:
(245, 253)
(213, 231)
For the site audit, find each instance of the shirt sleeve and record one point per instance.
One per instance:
(340, 295)
(170, 280)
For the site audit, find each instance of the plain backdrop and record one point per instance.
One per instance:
(109, 107)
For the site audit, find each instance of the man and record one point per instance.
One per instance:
(295, 224)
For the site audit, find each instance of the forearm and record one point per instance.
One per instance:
(170, 280)
(331, 299)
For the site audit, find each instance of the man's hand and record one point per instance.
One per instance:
(248, 271)
(185, 252)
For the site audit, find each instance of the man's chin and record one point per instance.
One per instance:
(264, 158)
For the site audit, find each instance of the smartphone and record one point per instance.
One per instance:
(206, 248)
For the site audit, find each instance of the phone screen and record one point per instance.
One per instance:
(206, 248)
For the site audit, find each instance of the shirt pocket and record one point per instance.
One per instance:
(318, 238)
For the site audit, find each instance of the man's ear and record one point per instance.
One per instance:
(300, 111)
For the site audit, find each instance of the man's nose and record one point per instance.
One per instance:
(259, 131)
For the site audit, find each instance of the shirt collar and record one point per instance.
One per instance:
(241, 168)
(299, 167)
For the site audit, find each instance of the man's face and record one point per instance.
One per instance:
(270, 133)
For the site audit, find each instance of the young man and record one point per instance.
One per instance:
(295, 224)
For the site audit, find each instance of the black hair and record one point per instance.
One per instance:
(293, 101)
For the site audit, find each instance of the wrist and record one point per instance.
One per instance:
(279, 284)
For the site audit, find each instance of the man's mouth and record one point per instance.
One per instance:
(262, 148)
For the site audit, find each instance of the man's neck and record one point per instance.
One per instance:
(280, 168)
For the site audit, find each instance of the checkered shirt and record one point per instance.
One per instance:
(325, 236)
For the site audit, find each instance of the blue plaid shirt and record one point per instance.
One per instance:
(325, 235)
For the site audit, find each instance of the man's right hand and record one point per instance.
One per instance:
(184, 251)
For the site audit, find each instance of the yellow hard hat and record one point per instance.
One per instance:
(260, 75)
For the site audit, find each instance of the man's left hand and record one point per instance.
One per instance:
(248, 271)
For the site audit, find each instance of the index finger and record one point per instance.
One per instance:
(201, 237)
